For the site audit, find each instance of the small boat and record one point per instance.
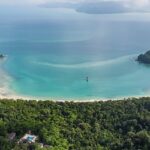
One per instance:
(87, 79)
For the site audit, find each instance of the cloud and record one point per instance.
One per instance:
(21, 2)
(35, 2)
(101, 6)
(140, 3)
(137, 4)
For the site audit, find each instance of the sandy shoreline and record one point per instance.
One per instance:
(7, 94)
(19, 97)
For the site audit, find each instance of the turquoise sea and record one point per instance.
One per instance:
(50, 52)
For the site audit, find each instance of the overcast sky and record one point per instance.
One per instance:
(133, 4)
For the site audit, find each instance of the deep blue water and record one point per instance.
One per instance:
(50, 52)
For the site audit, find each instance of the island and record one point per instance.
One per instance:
(144, 58)
(1, 56)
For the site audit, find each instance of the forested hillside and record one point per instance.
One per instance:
(110, 125)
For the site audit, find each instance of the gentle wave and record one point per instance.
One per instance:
(4, 83)
(86, 64)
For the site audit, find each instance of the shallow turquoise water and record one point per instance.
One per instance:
(52, 51)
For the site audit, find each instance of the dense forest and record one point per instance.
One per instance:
(110, 125)
(144, 58)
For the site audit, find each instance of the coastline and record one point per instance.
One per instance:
(16, 97)
(7, 94)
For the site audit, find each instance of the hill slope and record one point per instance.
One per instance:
(111, 125)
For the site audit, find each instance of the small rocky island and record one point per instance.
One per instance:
(1, 56)
(144, 58)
